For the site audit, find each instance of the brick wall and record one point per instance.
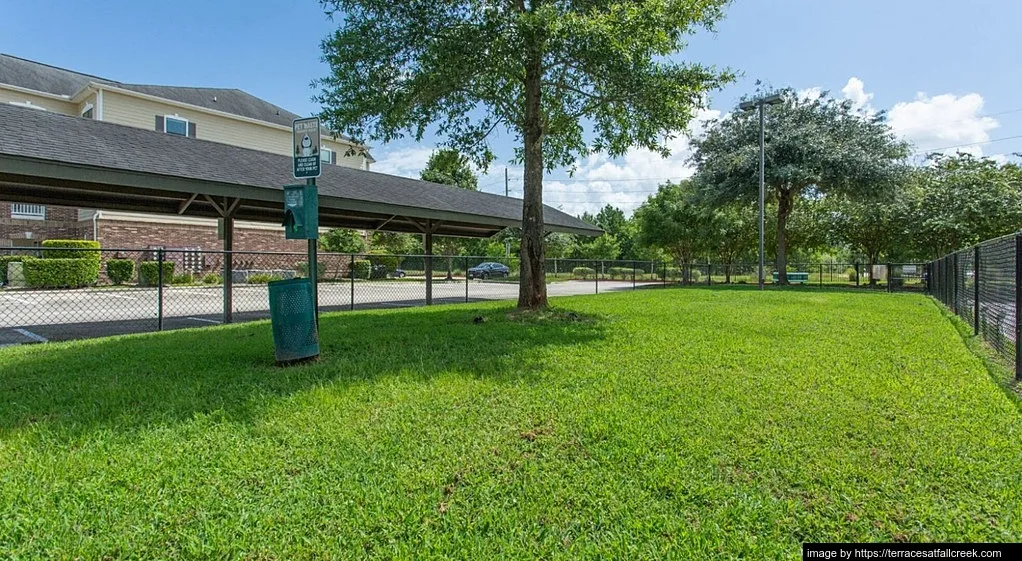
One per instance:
(60, 223)
(131, 235)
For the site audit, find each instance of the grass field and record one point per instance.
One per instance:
(689, 424)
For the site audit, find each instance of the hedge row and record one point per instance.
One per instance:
(583, 273)
(149, 272)
(72, 249)
(60, 273)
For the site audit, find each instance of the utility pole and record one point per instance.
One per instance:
(505, 183)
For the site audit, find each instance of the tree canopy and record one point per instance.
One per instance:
(815, 146)
(564, 78)
(450, 167)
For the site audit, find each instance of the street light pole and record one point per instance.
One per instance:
(762, 192)
(760, 103)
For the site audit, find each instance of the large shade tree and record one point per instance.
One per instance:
(563, 77)
(815, 146)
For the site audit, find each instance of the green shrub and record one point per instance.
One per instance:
(302, 269)
(850, 271)
(361, 268)
(583, 273)
(672, 273)
(149, 272)
(390, 261)
(52, 249)
(59, 273)
(695, 275)
(212, 278)
(623, 272)
(4, 261)
(183, 278)
(120, 271)
(263, 278)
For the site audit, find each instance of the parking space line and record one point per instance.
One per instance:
(30, 335)
(216, 293)
(203, 319)
(122, 297)
(15, 299)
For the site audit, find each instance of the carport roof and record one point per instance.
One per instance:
(48, 158)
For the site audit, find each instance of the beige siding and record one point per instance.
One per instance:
(49, 104)
(132, 111)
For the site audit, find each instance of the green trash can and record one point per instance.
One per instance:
(293, 316)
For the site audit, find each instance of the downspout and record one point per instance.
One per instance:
(95, 226)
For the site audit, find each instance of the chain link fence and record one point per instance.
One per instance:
(982, 286)
(91, 293)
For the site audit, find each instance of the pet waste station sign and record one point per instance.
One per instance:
(305, 136)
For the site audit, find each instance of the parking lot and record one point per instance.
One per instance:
(56, 315)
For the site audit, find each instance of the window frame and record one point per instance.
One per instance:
(167, 118)
(323, 150)
(88, 108)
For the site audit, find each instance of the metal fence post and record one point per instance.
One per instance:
(1018, 307)
(159, 289)
(664, 277)
(633, 275)
(857, 274)
(709, 273)
(975, 291)
(466, 276)
(821, 275)
(954, 283)
(890, 270)
(597, 275)
(351, 273)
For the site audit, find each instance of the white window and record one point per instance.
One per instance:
(326, 155)
(89, 112)
(175, 125)
(28, 212)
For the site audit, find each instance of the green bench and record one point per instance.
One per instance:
(795, 277)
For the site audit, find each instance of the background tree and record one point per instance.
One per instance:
(450, 167)
(543, 70)
(342, 240)
(675, 220)
(732, 235)
(815, 146)
(961, 200)
(874, 227)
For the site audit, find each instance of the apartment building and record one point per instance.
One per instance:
(224, 115)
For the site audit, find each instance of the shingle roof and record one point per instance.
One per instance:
(84, 143)
(43, 77)
(51, 79)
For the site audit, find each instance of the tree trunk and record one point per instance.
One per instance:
(872, 264)
(727, 273)
(784, 201)
(532, 284)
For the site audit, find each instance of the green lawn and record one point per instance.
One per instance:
(686, 423)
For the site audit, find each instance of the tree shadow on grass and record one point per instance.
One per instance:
(135, 381)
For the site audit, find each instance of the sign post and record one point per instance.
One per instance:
(306, 140)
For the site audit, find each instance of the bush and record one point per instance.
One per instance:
(302, 269)
(583, 273)
(73, 249)
(263, 278)
(183, 278)
(120, 271)
(6, 260)
(59, 273)
(212, 278)
(695, 275)
(623, 272)
(851, 274)
(390, 261)
(672, 273)
(149, 272)
(361, 268)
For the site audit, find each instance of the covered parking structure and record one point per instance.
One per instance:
(53, 159)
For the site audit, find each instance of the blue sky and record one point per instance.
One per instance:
(948, 72)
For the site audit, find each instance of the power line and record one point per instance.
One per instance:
(926, 150)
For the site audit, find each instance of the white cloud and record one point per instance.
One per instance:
(855, 91)
(943, 120)
(406, 162)
(627, 181)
